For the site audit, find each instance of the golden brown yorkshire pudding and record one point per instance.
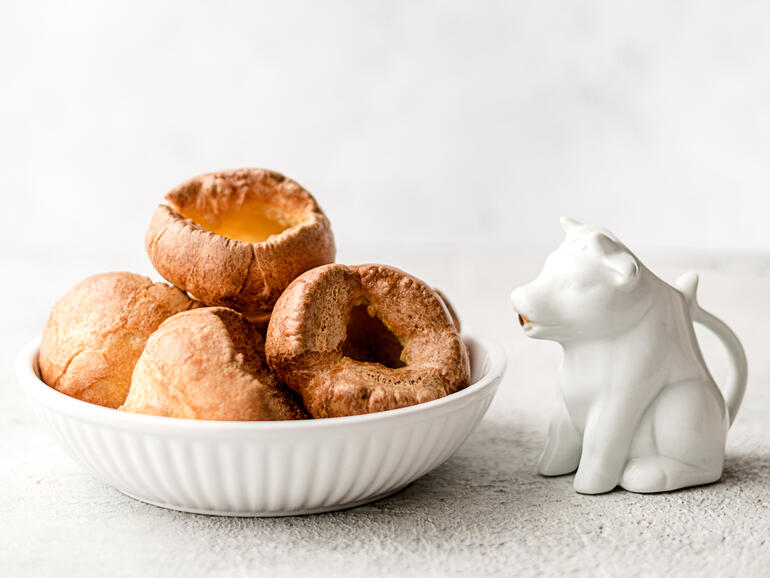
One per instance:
(238, 238)
(97, 331)
(209, 364)
(449, 308)
(366, 338)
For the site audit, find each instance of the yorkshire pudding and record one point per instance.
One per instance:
(97, 331)
(366, 338)
(238, 238)
(208, 364)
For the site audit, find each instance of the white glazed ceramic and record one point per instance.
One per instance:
(637, 406)
(265, 468)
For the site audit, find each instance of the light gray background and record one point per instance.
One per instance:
(429, 122)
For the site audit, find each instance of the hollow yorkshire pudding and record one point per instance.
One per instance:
(366, 338)
(238, 238)
(97, 331)
(208, 363)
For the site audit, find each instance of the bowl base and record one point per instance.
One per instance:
(266, 514)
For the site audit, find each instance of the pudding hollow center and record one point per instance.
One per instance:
(252, 222)
(369, 341)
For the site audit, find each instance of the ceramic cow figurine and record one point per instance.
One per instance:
(637, 406)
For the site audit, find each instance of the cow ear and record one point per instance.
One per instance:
(602, 244)
(623, 264)
(568, 223)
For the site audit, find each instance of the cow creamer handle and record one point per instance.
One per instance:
(736, 380)
(636, 405)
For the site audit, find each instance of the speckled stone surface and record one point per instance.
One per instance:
(482, 513)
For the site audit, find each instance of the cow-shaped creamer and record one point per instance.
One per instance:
(637, 406)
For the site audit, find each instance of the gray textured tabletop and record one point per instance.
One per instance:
(483, 512)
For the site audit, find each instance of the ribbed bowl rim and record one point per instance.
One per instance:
(40, 392)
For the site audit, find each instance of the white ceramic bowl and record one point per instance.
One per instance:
(265, 468)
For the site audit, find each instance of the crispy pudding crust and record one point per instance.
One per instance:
(365, 338)
(97, 331)
(209, 364)
(238, 238)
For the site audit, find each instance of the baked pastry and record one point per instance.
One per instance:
(209, 364)
(97, 331)
(366, 338)
(238, 238)
(449, 308)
